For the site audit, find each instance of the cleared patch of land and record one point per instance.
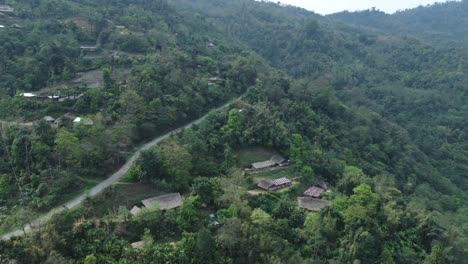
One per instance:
(89, 79)
(247, 156)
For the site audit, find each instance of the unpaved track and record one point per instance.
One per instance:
(106, 183)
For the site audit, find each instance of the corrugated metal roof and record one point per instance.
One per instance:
(263, 164)
(281, 181)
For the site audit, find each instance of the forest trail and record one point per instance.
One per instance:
(114, 178)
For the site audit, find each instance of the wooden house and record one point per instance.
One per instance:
(273, 185)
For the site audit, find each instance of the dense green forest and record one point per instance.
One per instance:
(379, 112)
(442, 24)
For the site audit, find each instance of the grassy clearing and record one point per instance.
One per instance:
(247, 156)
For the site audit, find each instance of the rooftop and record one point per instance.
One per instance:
(135, 210)
(49, 119)
(281, 181)
(166, 201)
(28, 95)
(274, 160)
(138, 245)
(265, 184)
(314, 191)
(263, 164)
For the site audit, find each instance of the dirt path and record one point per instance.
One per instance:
(106, 183)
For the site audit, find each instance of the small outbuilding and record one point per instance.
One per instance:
(135, 210)
(138, 245)
(84, 121)
(318, 188)
(273, 185)
(165, 202)
(29, 95)
(88, 48)
(49, 119)
(312, 204)
(213, 80)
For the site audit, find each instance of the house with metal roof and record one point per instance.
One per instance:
(274, 161)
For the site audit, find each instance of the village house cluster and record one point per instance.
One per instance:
(310, 201)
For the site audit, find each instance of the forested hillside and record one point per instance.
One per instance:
(377, 115)
(443, 24)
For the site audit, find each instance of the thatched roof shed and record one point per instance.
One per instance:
(138, 245)
(165, 202)
(312, 204)
(314, 191)
(265, 184)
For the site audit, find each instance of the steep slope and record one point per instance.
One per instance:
(410, 83)
(442, 24)
(380, 117)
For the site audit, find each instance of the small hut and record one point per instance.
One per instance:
(49, 119)
(138, 245)
(135, 210)
(318, 188)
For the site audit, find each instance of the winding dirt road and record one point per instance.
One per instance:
(106, 183)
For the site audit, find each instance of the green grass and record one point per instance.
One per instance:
(247, 156)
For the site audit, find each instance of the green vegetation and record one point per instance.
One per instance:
(380, 116)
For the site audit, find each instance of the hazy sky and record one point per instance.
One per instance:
(333, 6)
